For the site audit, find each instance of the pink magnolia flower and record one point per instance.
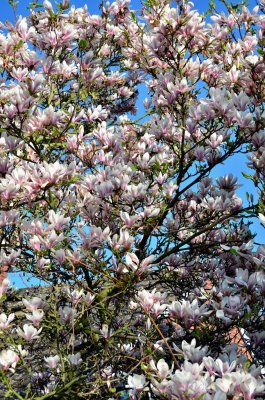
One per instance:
(48, 5)
(57, 220)
(88, 298)
(29, 332)
(35, 317)
(6, 320)
(8, 359)
(188, 312)
(33, 304)
(4, 286)
(191, 352)
(75, 295)
(52, 361)
(66, 314)
(134, 264)
(162, 369)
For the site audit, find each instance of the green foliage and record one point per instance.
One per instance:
(33, 5)
(13, 3)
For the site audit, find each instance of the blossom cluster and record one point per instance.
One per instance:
(155, 279)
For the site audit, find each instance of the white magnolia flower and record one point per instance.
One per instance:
(8, 359)
(3, 287)
(136, 382)
(162, 368)
(22, 352)
(29, 332)
(75, 359)
(52, 361)
(33, 304)
(5, 320)
(66, 314)
(35, 317)
(105, 331)
(262, 218)
(191, 352)
(88, 298)
(75, 295)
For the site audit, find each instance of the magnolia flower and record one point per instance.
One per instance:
(218, 366)
(57, 220)
(151, 301)
(137, 382)
(52, 361)
(188, 312)
(134, 264)
(35, 317)
(5, 321)
(3, 287)
(191, 352)
(66, 314)
(29, 332)
(162, 369)
(88, 298)
(59, 255)
(75, 359)
(47, 5)
(19, 73)
(262, 218)
(105, 331)
(8, 359)
(33, 304)
(75, 295)
(22, 352)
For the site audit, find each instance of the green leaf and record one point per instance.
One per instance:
(83, 44)
(223, 46)
(20, 44)
(148, 350)
(133, 16)
(143, 367)
(233, 251)
(247, 176)
(149, 3)
(200, 397)
(13, 3)
(51, 95)
(34, 5)
(247, 364)
(83, 94)
(39, 139)
(211, 8)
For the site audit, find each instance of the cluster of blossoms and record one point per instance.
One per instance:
(156, 283)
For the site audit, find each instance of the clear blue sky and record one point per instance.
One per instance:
(236, 166)
(7, 13)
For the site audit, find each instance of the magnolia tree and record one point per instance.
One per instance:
(156, 284)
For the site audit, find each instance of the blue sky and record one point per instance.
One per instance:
(93, 6)
(235, 165)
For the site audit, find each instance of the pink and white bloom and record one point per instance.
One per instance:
(29, 332)
(137, 382)
(8, 359)
(6, 320)
(33, 304)
(52, 361)
(75, 359)
(36, 317)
